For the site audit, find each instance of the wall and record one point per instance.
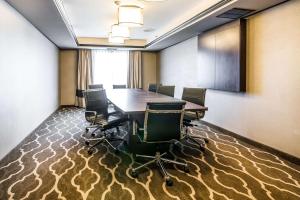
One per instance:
(68, 71)
(178, 65)
(28, 78)
(269, 112)
(149, 64)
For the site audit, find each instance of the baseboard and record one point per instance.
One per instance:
(277, 152)
(67, 106)
(16, 148)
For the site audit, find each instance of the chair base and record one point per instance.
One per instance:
(96, 128)
(103, 139)
(159, 160)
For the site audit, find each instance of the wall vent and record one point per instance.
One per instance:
(235, 13)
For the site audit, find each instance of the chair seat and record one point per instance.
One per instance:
(91, 117)
(110, 121)
(192, 115)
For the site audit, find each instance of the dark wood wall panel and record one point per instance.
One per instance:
(206, 65)
(227, 59)
(221, 58)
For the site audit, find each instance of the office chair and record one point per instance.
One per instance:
(163, 124)
(96, 86)
(97, 113)
(197, 96)
(152, 87)
(100, 86)
(166, 90)
(119, 86)
(90, 110)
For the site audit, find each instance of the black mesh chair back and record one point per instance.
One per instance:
(194, 95)
(152, 87)
(96, 86)
(166, 90)
(96, 100)
(163, 121)
(119, 86)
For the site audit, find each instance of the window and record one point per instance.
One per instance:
(110, 67)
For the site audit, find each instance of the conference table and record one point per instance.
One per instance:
(133, 103)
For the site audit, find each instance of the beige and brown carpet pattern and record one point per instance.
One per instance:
(52, 163)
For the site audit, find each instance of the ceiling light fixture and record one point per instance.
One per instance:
(115, 40)
(120, 31)
(130, 16)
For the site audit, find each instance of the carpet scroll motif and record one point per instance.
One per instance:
(53, 163)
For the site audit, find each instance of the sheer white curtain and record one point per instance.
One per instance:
(110, 67)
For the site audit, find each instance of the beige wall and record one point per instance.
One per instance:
(269, 112)
(149, 65)
(68, 68)
(29, 78)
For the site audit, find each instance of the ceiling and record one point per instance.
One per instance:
(86, 23)
(93, 18)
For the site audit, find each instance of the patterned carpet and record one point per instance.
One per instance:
(53, 163)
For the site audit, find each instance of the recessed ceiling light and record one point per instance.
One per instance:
(147, 30)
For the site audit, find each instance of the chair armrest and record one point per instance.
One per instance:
(94, 114)
(200, 114)
(137, 127)
(137, 130)
(197, 115)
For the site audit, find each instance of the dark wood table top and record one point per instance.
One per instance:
(131, 101)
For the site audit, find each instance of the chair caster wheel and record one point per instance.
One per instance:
(133, 174)
(202, 148)
(93, 134)
(186, 169)
(169, 182)
(87, 143)
(90, 151)
(86, 130)
(206, 140)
